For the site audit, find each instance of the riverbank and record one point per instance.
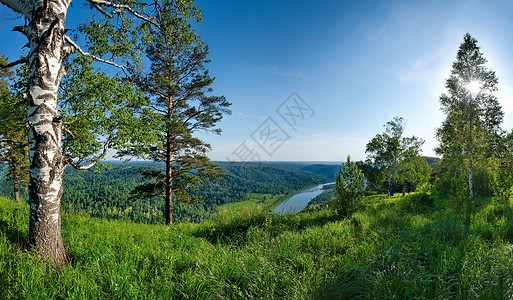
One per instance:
(300, 200)
(267, 202)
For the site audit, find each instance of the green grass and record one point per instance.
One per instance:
(266, 201)
(394, 248)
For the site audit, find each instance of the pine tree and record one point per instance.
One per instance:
(473, 113)
(13, 135)
(348, 186)
(178, 89)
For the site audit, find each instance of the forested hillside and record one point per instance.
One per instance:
(106, 193)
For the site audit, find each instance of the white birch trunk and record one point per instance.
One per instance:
(45, 31)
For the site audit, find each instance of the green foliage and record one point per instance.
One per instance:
(503, 182)
(391, 155)
(458, 191)
(106, 194)
(13, 133)
(468, 136)
(418, 203)
(432, 161)
(322, 198)
(177, 87)
(415, 171)
(503, 171)
(348, 186)
(329, 171)
(100, 111)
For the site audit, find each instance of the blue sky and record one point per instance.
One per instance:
(352, 66)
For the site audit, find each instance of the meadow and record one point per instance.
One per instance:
(392, 248)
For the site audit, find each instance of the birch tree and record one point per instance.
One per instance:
(473, 113)
(49, 46)
(389, 150)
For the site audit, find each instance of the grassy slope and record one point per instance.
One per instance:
(394, 248)
(267, 201)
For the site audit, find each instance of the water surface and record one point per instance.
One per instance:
(300, 200)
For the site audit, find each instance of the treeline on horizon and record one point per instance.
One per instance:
(107, 193)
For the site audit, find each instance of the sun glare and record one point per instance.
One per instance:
(474, 87)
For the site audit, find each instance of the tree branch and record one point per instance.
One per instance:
(19, 6)
(77, 47)
(78, 166)
(22, 29)
(22, 60)
(17, 143)
(117, 9)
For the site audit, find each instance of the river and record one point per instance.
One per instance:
(300, 200)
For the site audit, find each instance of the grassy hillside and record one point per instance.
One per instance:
(392, 249)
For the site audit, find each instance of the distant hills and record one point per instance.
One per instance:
(106, 193)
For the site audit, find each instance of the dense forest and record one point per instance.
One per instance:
(106, 193)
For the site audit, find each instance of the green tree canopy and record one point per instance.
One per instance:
(177, 89)
(471, 127)
(13, 133)
(44, 28)
(348, 187)
(389, 150)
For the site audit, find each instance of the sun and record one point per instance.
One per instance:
(474, 86)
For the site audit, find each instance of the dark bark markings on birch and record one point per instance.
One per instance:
(45, 30)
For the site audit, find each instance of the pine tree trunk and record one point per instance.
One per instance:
(169, 180)
(45, 32)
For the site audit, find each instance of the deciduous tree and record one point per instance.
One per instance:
(49, 46)
(473, 113)
(389, 150)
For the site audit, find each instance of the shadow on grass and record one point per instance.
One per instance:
(14, 236)
(407, 245)
(349, 285)
(232, 229)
